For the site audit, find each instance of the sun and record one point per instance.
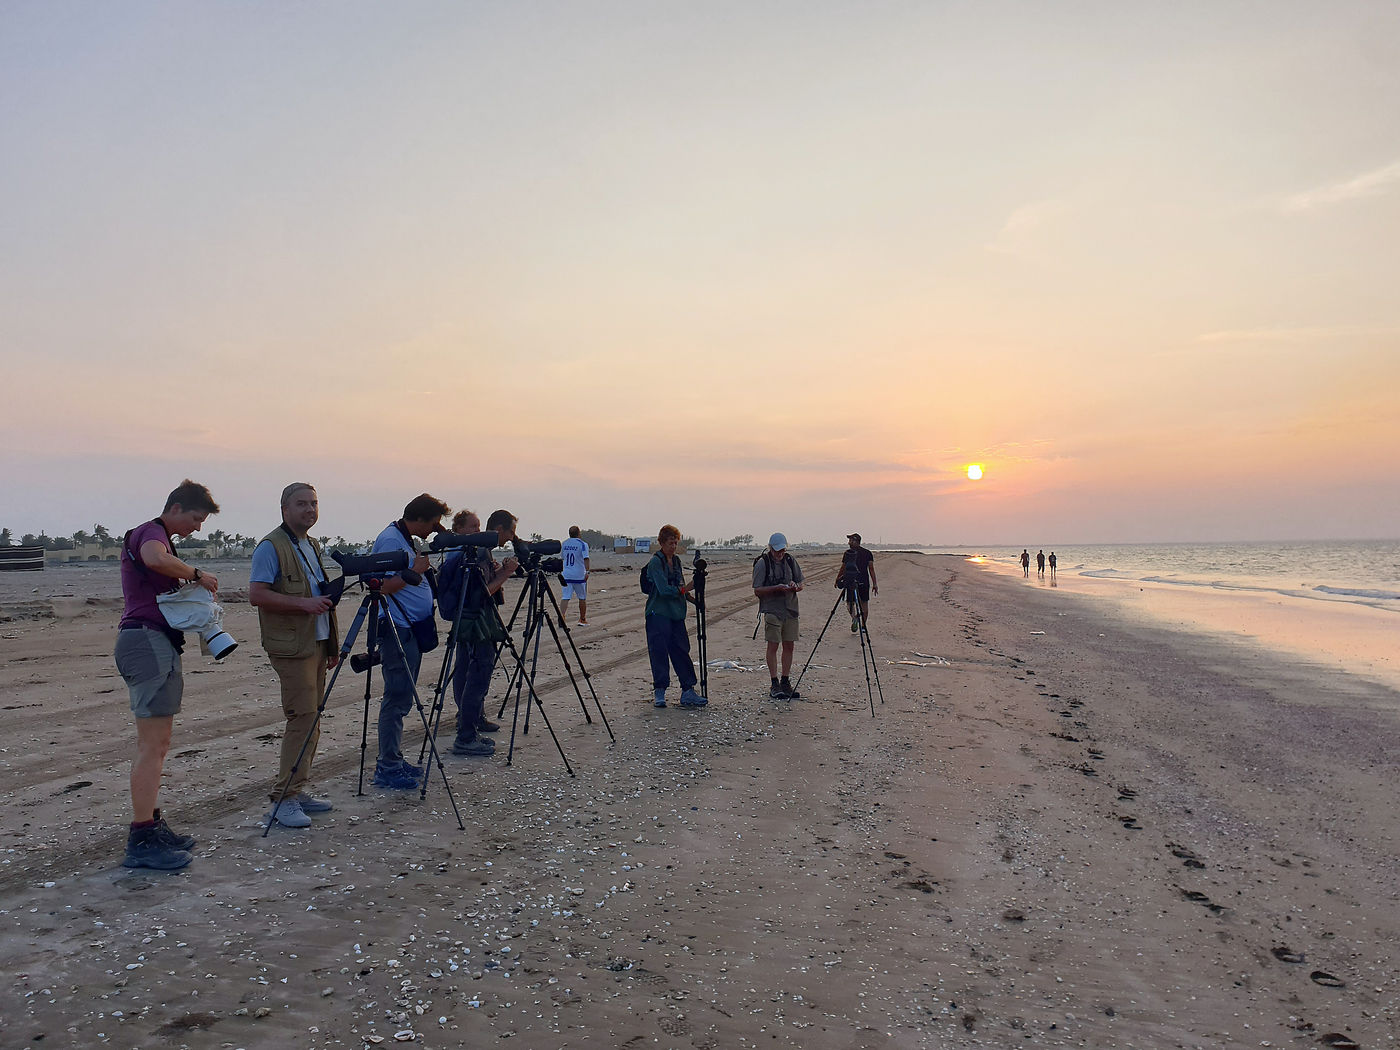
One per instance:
(974, 472)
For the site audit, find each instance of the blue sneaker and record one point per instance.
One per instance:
(690, 698)
(410, 768)
(660, 700)
(396, 778)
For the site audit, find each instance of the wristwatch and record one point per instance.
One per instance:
(196, 576)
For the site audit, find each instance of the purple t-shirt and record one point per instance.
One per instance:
(141, 585)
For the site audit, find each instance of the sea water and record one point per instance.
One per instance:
(1363, 572)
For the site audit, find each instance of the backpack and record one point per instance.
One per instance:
(647, 587)
(768, 567)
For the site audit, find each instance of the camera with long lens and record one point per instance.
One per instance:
(371, 567)
(532, 556)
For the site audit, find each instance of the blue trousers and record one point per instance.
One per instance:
(400, 672)
(471, 681)
(668, 642)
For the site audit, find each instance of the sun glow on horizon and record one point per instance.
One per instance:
(974, 472)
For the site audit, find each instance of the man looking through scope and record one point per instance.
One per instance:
(288, 587)
(411, 617)
(472, 581)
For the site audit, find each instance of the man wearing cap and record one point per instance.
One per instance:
(408, 604)
(776, 581)
(858, 569)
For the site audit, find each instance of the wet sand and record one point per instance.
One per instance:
(1107, 834)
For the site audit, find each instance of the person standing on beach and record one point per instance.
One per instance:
(1052, 566)
(777, 579)
(668, 643)
(288, 587)
(1040, 564)
(478, 632)
(408, 604)
(148, 659)
(858, 569)
(574, 551)
(1026, 563)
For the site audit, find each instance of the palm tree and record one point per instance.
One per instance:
(103, 537)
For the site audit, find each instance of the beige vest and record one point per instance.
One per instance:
(291, 635)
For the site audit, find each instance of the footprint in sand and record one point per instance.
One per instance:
(1187, 858)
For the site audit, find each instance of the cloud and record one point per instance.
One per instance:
(1369, 184)
(1303, 334)
(1026, 227)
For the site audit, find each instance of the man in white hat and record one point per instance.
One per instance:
(776, 580)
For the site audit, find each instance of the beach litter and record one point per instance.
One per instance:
(925, 660)
(727, 665)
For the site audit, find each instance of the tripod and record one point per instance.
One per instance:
(850, 594)
(697, 591)
(371, 606)
(537, 598)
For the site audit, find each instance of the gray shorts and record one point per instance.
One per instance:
(150, 666)
(574, 589)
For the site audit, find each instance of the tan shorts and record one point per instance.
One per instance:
(779, 628)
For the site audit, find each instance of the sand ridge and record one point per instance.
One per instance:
(1096, 836)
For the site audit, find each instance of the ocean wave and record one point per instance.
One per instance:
(1357, 592)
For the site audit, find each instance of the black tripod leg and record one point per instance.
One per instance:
(818, 642)
(867, 664)
(588, 679)
(371, 649)
(449, 661)
(865, 637)
(701, 649)
(427, 730)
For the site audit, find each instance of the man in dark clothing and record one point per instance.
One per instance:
(858, 571)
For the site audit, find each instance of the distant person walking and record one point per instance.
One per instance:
(574, 552)
(148, 659)
(1052, 566)
(858, 571)
(777, 579)
(667, 640)
(1040, 564)
(1026, 564)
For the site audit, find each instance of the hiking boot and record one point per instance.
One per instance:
(487, 726)
(660, 700)
(170, 837)
(396, 778)
(311, 804)
(854, 626)
(477, 746)
(144, 849)
(777, 692)
(410, 769)
(690, 698)
(289, 814)
(789, 691)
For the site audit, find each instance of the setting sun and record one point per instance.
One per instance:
(974, 472)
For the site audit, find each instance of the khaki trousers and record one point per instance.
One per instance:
(303, 681)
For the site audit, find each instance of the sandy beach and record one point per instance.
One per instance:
(1063, 827)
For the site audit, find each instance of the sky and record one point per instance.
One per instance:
(740, 267)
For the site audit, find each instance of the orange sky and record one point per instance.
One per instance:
(787, 268)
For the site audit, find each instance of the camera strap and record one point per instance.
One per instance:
(320, 578)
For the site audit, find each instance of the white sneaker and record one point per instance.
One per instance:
(583, 623)
(289, 814)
